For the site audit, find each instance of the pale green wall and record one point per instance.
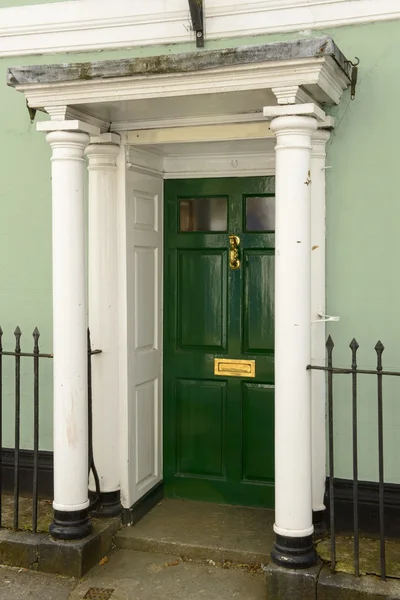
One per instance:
(362, 227)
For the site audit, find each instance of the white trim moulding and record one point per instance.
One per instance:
(90, 25)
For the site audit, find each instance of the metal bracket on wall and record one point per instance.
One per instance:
(353, 77)
(196, 13)
(323, 318)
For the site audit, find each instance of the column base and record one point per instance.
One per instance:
(109, 504)
(70, 525)
(294, 552)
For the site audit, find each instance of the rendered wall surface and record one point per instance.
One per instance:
(363, 211)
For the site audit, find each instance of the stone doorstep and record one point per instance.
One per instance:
(70, 558)
(202, 531)
(319, 583)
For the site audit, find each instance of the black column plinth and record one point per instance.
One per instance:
(294, 552)
(70, 525)
(108, 504)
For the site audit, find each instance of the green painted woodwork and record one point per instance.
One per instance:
(218, 431)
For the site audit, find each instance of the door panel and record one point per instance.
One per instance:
(201, 411)
(144, 285)
(258, 448)
(204, 271)
(258, 301)
(218, 429)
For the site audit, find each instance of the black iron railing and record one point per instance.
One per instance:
(36, 356)
(354, 372)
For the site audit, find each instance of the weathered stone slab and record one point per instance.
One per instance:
(285, 584)
(75, 558)
(19, 548)
(178, 63)
(341, 586)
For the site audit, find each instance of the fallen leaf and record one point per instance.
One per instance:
(103, 561)
(172, 564)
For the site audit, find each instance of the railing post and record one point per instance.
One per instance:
(17, 334)
(329, 347)
(1, 423)
(354, 347)
(379, 348)
(35, 482)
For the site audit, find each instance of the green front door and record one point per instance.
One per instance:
(219, 416)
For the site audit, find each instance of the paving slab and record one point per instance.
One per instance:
(200, 531)
(20, 584)
(129, 575)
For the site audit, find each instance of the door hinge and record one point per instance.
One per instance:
(196, 13)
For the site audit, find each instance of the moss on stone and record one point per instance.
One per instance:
(369, 555)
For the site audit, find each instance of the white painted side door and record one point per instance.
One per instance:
(144, 222)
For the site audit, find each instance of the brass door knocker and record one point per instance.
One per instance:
(234, 262)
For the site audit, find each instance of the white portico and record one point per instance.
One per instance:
(245, 111)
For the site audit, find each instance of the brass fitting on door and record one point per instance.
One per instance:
(234, 242)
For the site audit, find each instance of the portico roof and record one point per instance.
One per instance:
(318, 47)
(132, 93)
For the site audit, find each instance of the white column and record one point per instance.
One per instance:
(103, 314)
(69, 335)
(318, 329)
(293, 505)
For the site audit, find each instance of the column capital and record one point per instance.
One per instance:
(321, 135)
(294, 124)
(102, 156)
(318, 143)
(67, 145)
(308, 109)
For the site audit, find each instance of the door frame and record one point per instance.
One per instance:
(231, 162)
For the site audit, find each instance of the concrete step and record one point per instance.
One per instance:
(129, 575)
(203, 531)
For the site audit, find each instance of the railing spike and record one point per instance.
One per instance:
(379, 347)
(354, 345)
(17, 334)
(329, 343)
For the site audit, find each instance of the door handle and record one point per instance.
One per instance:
(234, 242)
